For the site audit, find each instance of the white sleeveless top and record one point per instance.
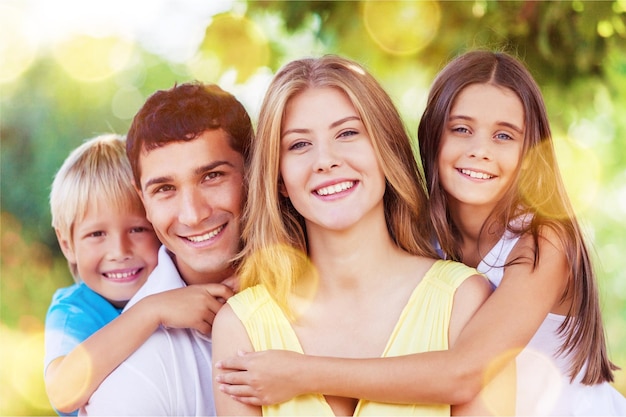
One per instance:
(543, 384)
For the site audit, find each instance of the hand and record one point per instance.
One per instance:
(192, 307)
(261, 378)
(232, 282)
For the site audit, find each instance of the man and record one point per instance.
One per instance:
(188, 147)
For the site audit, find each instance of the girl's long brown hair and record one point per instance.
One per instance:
(538, 192)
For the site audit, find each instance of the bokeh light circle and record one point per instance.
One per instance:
(126, 102)
(91, 59)
(231, 42)
(581, 171)
(578, 167)
(18, 48)
(402, 27)
(522, 382)
(24, 366)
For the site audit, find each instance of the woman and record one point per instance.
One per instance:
(336, 183)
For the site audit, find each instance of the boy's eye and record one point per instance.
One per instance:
(139, 229)
(96, 234)
(213, 174)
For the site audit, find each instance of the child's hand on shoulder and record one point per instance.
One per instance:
(192, 307)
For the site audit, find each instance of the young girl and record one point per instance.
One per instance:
(497, 203)
(111, 250)
(336, 183)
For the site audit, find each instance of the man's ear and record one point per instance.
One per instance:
(66, 247)
(140, 194)
(138, 190)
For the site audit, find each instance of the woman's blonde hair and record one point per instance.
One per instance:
(274, 234)
(97, 170)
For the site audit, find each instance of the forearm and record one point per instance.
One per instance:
(71, 380)
(431, 377)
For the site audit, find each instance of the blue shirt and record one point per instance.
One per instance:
(75, 313)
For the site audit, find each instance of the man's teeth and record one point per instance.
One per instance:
(121, 275)
(337, 188)
(479, 175)
(206, 236)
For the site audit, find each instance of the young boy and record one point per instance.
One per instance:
(111, 249)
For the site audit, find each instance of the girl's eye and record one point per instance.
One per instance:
(504, 136)
(460, 129)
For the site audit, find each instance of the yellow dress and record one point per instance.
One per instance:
(422, 326)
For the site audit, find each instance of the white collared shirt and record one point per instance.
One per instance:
(169, 375)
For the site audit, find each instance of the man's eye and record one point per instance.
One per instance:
(163, 189)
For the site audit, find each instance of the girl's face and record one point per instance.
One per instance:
(328, 165)
(481, 145)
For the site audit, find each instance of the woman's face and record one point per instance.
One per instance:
(329, 169)
(481, 145)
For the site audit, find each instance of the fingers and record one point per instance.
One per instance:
(234, 363)
(205, 327)
(249, 400)
(218, 291)
(241, 393)
(233, 379)
(232, 282)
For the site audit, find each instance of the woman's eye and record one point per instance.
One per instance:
(297, 145)
(348, 133)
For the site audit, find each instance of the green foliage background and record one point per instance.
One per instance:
(576, 50)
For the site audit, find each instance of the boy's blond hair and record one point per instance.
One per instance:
(97, 170)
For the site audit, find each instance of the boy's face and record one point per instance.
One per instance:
(114, 250)
(193, 195)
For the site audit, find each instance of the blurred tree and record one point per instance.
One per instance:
(561, 40)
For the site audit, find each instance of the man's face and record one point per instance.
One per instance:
(193, 195)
